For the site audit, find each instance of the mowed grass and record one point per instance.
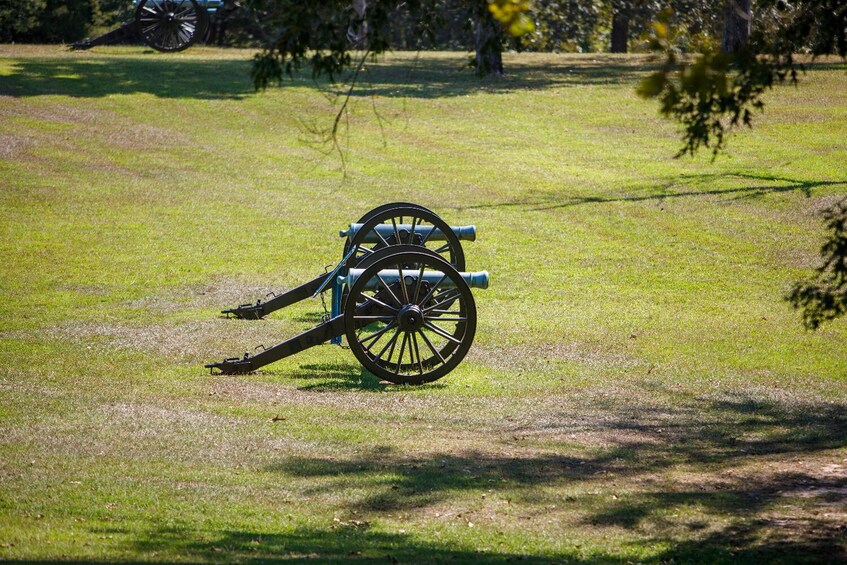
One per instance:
(638, 390)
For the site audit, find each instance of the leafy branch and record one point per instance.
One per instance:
(824, 297)
(714, 92)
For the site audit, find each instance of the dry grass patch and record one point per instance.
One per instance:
(545, 356)
(179, 342)
(14, 147)
(216, 295)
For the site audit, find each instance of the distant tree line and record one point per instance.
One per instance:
(58, 21)
(559, 25)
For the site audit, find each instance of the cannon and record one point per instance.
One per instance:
(390, 224)
(409, 318)
(406, 311)
(168, 25)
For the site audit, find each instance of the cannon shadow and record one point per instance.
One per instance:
(349, 377)
(338, 377)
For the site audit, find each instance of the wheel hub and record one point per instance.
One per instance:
(410, 318)
(170, 17)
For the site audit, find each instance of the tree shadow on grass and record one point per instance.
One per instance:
(729, 517)
(775, 185)
(753, 534)
(213, 79)
(425, 76)
(436, 77)
(344, 541)
(356, 541)
(729, 444)
(99, 77)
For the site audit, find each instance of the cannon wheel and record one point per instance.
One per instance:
(418, 216)
(412, 332)
(171, 25)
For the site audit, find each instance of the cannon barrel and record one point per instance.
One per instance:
(464, 233)
(478, 279)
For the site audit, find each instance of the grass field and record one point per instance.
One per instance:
(638, 390)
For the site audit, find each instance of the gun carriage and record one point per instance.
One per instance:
(169, 25)
(400, 296)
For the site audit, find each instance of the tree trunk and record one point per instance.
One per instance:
(620, 32)
(489, 45)
(736, 29)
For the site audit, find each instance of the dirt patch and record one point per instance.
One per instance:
(753, 398)
(818, 205)
(64, 114)
(143, 431)
(112, 130)
(191, 341)
(121, 131)
(140, 137)
(218, 295)
(589, 418)
(92, 290)
(14, 147)
(251, 391)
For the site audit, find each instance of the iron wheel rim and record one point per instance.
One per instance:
(170, 25)
(377, 319)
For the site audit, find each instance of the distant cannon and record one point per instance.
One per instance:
(406, 311)
(168, 25)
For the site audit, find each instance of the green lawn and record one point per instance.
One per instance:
(638, 390)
